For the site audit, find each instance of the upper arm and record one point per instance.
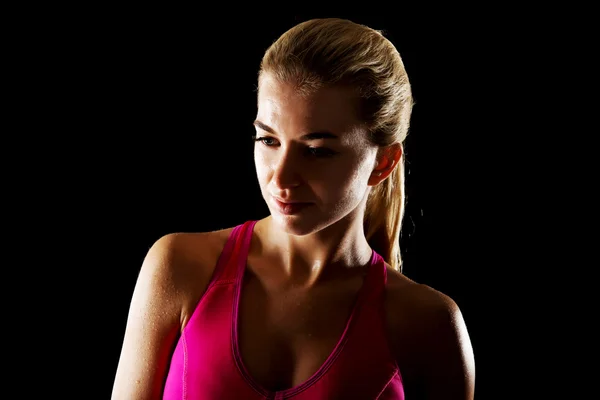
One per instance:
(153, 325)
(448, 366)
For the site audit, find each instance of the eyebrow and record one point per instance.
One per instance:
(308, 136)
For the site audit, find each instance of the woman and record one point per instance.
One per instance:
(309, 302)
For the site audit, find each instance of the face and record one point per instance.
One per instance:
(311, 150)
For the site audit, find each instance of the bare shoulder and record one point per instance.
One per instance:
(429, 338)
(419, 299)
(173, 276)
(182, 251)
(182, 263)
(414, 309)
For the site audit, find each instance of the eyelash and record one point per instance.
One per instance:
(320, 152)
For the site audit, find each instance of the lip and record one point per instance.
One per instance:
(290, 207)
(289, 201)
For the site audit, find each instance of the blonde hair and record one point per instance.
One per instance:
(333, 51)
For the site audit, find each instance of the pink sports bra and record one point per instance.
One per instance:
(206, 362)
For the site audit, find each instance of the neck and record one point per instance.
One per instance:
(304, 260)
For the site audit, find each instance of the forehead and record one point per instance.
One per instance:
(284, 109)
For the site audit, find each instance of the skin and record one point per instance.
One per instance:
(303, 270)
(336, 181)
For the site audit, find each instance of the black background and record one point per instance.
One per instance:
(155, 119)
(176, 122)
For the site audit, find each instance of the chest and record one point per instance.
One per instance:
(285, 337)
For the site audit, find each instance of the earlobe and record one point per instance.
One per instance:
(379, 170)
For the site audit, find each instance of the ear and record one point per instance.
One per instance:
(387, 159)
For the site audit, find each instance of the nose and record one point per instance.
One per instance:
(286, 170)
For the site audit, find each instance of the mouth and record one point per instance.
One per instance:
(290, 207)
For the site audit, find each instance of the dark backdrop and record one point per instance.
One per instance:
(163, 105)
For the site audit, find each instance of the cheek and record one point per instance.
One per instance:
(260, 164)
(342, 180)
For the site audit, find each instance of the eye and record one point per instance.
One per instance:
(264, 140)
(317, 152)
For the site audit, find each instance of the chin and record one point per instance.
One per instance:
(298, 225)
(294, 224)
(301, 224)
